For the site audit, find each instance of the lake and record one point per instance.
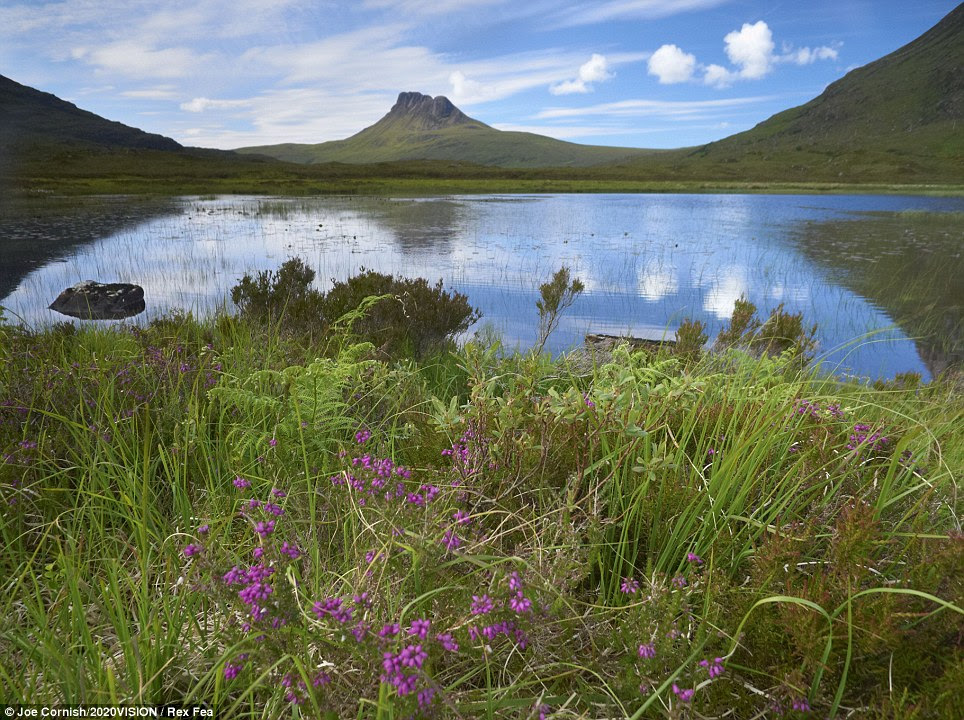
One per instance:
(881, 276)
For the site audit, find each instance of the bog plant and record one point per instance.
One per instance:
(555, 297)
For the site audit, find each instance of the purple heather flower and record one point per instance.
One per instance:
(275, 510)
(425, 697)
(253, 504)
(192, 550)
(362, 436)
(321, 679)
(481, 605)
(514, 582)
(258, 552)
(240, 483)
(520, 603)
(420, 628)
(254, 593)
(647, 651)
(450, 540)
(291, 551)
(694, 558)
(684, 694)
(389, 630)
(328, 606)
(447, 642)
(679, 581)
(714, 667)
(231, 671)
(273, 442)
(801, 705)
(630, 586)
(360, 631)
(264, 528)
(203, 530)
(278, 493)
(232, 576)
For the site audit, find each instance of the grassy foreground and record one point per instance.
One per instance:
(207, 512)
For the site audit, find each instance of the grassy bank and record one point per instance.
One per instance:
(210, 512)
(82, 171)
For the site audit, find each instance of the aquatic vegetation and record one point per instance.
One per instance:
(213, 511)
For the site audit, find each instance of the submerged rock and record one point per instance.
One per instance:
(91, 300)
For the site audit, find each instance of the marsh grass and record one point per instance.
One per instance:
(658, 535)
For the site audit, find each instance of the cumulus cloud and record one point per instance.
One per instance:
(718, 76)
(594, 70)
(672, 65)
(751, 49)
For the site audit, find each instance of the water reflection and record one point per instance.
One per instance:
(648, 261)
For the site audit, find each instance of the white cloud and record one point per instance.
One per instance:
(641, 108)
(568, 132)
(201, 104)
(751, 49)
(598, 12)
(131, 59)
(806, 56)
(465, 90)
(428, 7)
(594, 70)
(718, 76)
(161, 92)
(672, 65)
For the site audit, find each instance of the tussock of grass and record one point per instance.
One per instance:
(798, 536)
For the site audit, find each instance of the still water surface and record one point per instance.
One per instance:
(647, 261)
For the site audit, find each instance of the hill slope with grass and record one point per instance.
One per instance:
(419, 127)
(900, 117)
(29, 117)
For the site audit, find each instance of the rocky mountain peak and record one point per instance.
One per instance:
(426, 112)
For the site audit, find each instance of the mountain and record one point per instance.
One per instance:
(29, 117)
(898, 118)
(419, 127)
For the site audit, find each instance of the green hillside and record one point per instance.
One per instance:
(899, 118)
(420, 127)
(29, 117)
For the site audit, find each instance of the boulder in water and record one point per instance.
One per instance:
(91, 300)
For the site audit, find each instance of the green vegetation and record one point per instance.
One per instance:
(397, 314)
(278, 524)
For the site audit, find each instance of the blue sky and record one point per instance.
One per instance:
(641, 73)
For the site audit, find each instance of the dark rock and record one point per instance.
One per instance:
(91, 300)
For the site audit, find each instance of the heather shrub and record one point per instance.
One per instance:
(410, 317)
(782, 333)
(283, 298)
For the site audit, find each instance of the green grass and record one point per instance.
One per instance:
(826, 573)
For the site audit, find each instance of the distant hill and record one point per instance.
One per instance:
(898, 118)
(419, 127)
(29, 117)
